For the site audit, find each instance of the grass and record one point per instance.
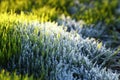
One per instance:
(4, 75)
(35, 45)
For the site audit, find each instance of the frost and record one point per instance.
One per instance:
(55, 54)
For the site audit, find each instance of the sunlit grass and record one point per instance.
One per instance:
(4, 75)
(33, 42)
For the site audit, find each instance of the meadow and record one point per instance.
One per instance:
(59, 39)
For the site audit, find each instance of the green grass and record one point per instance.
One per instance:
(4, 75)
(10, 41)
(90, 11)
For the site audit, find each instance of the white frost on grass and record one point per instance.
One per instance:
(50, 52)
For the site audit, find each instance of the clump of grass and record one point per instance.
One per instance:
(49, 52)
